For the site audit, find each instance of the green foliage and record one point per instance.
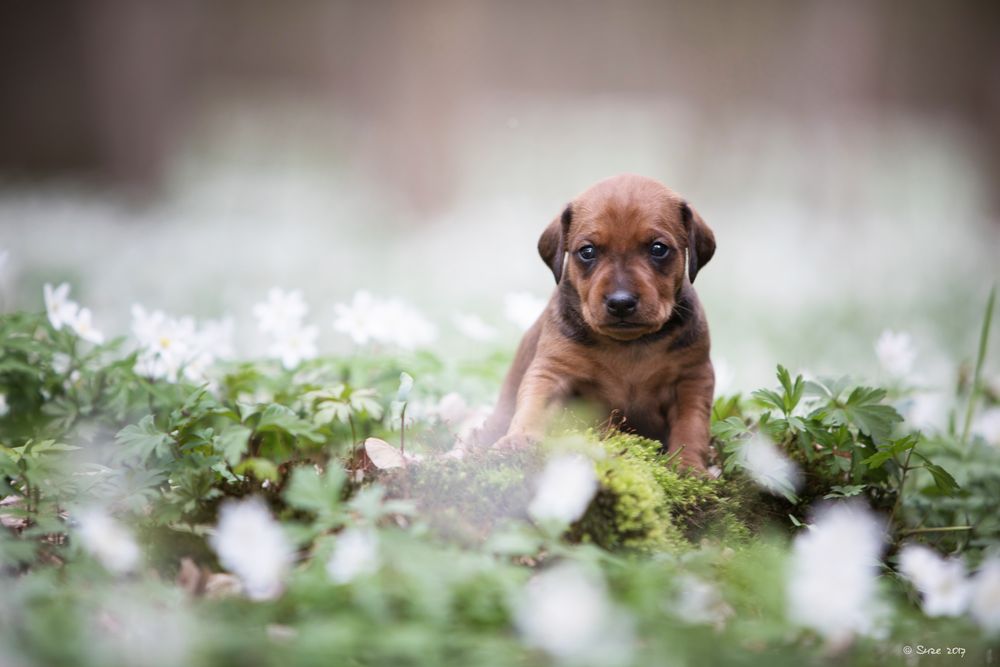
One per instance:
(456, 544)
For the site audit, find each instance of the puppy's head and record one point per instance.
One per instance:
(626, 246)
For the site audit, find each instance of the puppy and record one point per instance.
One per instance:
(624, 330)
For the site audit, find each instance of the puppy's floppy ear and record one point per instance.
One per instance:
(701, 240)
(552, 244)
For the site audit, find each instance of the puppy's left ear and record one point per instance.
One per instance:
(552, 244)
(701, 240)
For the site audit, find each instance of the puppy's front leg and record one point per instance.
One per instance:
(690, 417)
(541, 392)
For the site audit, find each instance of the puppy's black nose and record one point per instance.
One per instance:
(621, 303)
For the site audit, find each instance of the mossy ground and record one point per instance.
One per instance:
(645, 503)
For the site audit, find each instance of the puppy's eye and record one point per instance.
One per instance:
(658, 250)
(587, 253)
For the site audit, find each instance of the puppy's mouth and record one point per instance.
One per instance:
(626, 329)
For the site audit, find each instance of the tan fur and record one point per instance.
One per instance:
(652, 366)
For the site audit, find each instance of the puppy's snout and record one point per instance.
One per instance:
(621, 303)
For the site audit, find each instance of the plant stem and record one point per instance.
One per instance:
(984, 339)
(402, 430)
(902, 482)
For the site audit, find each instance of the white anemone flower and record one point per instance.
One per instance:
(699, 602)
(565, 611)
(108, 541)
(985, 603)
(252, 545)
(294, 346)
(896, 352)
(283, 311)
(83, 326)
(941, 582)
(60, 309)
(768, 467)
(367, 319)
(832, 579)
(473, 327)
(523, 308)
(565, 488)
(355, 554)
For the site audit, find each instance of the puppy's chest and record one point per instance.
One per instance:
(641, 389)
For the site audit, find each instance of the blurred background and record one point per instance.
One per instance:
(189, 155)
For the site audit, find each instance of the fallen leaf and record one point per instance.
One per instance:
(383, 455)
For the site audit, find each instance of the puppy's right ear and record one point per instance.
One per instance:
(552, 244)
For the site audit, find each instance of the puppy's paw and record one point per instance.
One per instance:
(513, 442)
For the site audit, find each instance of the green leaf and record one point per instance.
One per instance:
(280, 418)
(846, 491)
(142, 440)
(312, 493)
(897, 447)
(942, 478)
(365, 401)
(232, 442)
(259, 468)
(865, 410)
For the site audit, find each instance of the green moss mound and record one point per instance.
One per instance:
(644, 503)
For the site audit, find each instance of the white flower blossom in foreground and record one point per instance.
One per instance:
(985, 603)
(832, 577)
(565, 611)
(295, 346)
(472, 326)
(896, 352)
(4, 408)
(699, 602)
(108, 541)
(367, 319)
(941, 582)
(283, 311)
(58, 306)
(565, 488)
(355, 554)
(768, 467)
(523, 308)
(252, 545)
(83, 326)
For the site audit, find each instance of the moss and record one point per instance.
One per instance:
(644, 503)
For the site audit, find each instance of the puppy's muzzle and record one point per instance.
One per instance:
(621, 303)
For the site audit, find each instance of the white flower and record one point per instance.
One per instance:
(452, 408)
(108, 541)
(355, 554)
(832, 577)
(941, 582)
(565, 488)
(700, 602)
(523, 308)
(252, 545)
(294, 346)
(4, 408)
(895, 352)
(370, 320)
(768, 466)
(985, 604)
(565, 611)
(171, 348)
(474, 327)
(283, 311)
(84, 328)
(405, 386)
(58, 306)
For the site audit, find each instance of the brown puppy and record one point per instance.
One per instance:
(624, 329)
